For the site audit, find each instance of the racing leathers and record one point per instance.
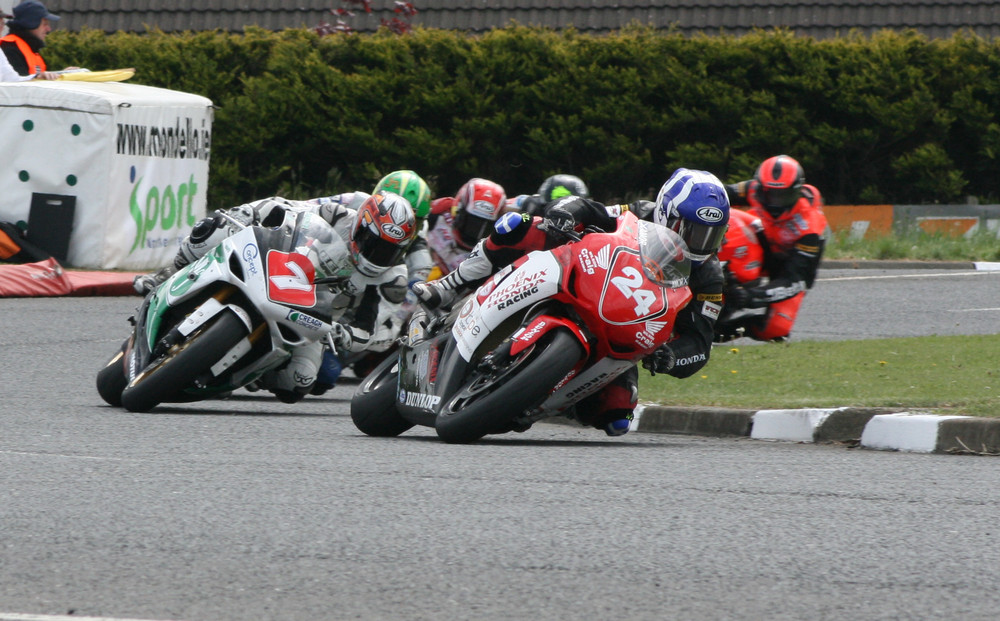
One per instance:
(518, 234)
(793, 245)
(446, 249)
(369, 304)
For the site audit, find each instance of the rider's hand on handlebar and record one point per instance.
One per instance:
(559, 223)
(737, 296)
(660, 361)
(431, 295)
(343, 337)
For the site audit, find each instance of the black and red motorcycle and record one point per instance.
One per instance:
(538, 337)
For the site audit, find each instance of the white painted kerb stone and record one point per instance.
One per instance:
(905, 431)
(789, 425)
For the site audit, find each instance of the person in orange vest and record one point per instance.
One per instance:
(7, 73)
(31, 23)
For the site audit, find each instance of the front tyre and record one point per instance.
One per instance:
(493, 398)
(111, 380)
(176, 370)
(373, 407)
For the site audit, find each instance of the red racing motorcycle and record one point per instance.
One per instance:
(538, 337)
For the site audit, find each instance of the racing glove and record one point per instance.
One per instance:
(432, 295)
(346, 338)
(736, 297)
(660, 361)
(442, 292)
(558, 223)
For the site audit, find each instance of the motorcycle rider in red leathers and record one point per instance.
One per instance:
(794, 229)
(693, 203)
(458, 223)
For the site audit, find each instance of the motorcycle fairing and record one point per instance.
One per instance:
(427, 366)
(537, 277)
(605, 284)
(626, 296)
(741, 253)
(290, 278)
(541, 325)
(224, 279)
(588, 381)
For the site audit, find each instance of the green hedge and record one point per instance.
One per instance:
(894, 118)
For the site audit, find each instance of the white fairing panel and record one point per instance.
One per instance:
(536, 279)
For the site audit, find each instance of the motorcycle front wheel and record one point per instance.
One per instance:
(111, 379)
(176, 370)
(373, 407)
(496, 394)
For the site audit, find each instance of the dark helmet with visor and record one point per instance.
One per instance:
(558, 186)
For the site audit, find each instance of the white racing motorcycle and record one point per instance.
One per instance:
(223, 321)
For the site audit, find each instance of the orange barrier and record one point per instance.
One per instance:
(948, 225)
(859, 219)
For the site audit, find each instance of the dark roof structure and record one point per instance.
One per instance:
(814, 18)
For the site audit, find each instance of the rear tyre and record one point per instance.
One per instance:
(183, 363)
(373, 407)
(492, 400)
(111, 380)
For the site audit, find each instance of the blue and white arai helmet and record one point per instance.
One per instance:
(695, 205)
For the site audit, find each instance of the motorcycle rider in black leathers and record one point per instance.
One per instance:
(693, 203)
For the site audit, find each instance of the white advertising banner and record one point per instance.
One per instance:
(134, 157)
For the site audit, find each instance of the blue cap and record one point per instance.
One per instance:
(29, 15)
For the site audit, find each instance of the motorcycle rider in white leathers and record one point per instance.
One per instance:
(372, 295)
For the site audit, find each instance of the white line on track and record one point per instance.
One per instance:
(895, 276)
(13, 616)
(37, 454)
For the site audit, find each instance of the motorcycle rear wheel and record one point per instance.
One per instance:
(167, 376)
(373, 406)
(111, 379)
(490, 402)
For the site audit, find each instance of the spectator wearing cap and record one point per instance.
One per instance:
(29, 26)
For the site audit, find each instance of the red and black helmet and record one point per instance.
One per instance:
(478, 205)
(779, 184)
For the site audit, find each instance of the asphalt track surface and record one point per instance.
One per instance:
(252, 509)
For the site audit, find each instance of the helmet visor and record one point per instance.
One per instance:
(780, 198)
(379, 252)
(701, 239)
(470, 229)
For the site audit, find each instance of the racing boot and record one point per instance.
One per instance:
(329, 373)
(619, 426)
(470, 273)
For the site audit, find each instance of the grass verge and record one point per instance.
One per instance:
(941, 375)
(915, 245)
